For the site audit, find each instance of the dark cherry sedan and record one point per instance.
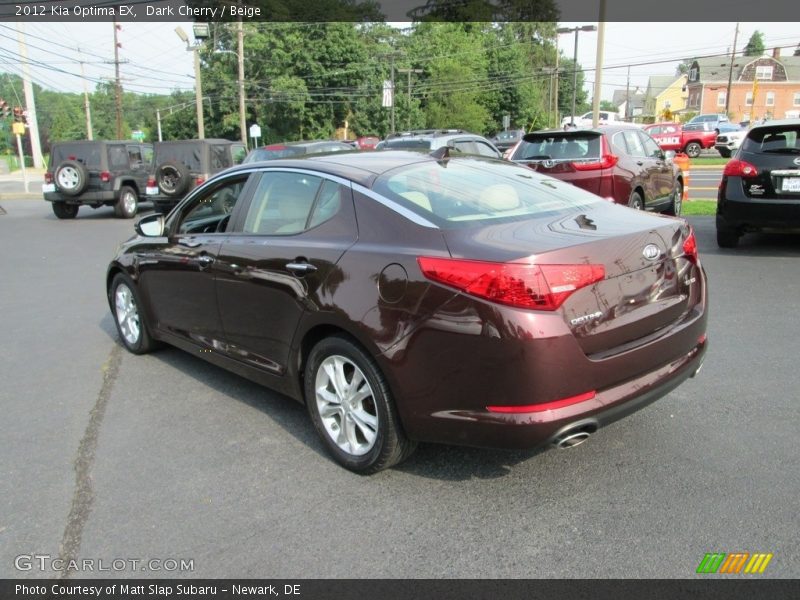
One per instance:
(407, 297)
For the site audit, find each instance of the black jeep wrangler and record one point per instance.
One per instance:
(182, 165)
(97, 173)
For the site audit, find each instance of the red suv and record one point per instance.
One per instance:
(619, 163)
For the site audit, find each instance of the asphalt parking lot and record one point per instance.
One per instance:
(109, 456)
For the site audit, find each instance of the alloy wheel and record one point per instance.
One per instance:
(127, 314)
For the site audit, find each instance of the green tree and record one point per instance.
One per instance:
(755, 45)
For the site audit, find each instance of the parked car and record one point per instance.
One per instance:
(504, 140)
(729, 139)
(605, 117)
(296, 149)
(760, 187)
(689, 139)
(367, 142)
(713, 120)
(617, 162)
(431, 139)
(182, 165)
(405, 297)
(97, 173)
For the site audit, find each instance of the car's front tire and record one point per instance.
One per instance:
(126, 307)
(352, 408)
(724, 152)
(62, 210)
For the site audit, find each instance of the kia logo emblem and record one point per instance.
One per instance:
(651, 252)
(796, 161)
(548, 164)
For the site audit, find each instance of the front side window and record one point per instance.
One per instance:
(282, 203)
(650, 147)
(211, 211)
(135, 156)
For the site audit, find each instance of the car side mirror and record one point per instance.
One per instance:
(669, 155)
(150, 226)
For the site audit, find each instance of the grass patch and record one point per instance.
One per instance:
(708, 161)
(699, 207)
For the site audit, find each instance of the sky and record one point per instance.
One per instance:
(156, 60)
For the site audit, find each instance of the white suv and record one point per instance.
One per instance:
(604, 118)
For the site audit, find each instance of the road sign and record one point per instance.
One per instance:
(506, 121)
(255, 131)
(18, 128)
(137, 135)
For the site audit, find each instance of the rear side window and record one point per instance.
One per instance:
(274, 152)
(118, 157)
(219, 157)
(778, 140)
(87, 154)
(634, 143)
(558, 146)
(410, 144)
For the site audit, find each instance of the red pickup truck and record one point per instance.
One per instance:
(687, 138)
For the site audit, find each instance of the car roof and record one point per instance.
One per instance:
(205, 140)
(90, 142)
(359, 167)
(776, 123)
(301, 143)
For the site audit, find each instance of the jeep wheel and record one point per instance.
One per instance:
(62, 210)
(724, 152)
(172, 178)
(692, 149)
(71, 177)
(128, 203)
(727, 238)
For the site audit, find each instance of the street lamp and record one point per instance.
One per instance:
(575, 61)
(199, 34)
(242, 110)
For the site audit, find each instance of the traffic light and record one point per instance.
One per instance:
(5, 109)
(19, 115)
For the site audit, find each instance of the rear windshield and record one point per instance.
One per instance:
(187, 154)
(273, 152)
(88, 154)
(466, 191)
(778, 140)
(558, 146)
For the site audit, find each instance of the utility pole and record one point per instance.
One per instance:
(117, 85)
(628, 93)
(598, 69)
(393, 102)
(575, 62)
(730, 71)
(158, 124)
(30, 103)
(86, 106)
(555, 93)
(409, 71)
(240, 57)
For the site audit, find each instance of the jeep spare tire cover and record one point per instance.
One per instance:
(71, 177)
(172, 177)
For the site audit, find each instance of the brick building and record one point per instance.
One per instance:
(761, 86)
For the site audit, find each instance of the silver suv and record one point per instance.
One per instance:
(432, 139)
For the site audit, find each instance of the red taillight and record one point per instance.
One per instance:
(606, 161)
(199, 180)
(151, 182)
(48, 177)
(690, 247)
(529, 408)
(524, 285)
(740, 168)
(105, 176)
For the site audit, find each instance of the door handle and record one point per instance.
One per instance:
(205, 260)
(640, 162)
(189, 242)
(301, 268)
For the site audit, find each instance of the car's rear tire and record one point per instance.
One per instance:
(128, 203)
(724, 152)
(636, 201)
(727, 238)
(71, 177)
(128, 317)
(62, 210)
(692, 149)
(676, 204)
(352, 408)
(172, 178)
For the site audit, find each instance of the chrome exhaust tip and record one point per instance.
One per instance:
(572, 440)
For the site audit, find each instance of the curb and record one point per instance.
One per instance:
(21, 196)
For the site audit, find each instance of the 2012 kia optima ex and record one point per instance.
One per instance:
(408, 297)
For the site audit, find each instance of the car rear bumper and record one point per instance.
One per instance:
(536, 429)
(84, 198)
(735, 210)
